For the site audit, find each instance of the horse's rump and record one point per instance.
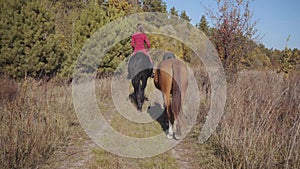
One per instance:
(137, 63)
(169, 72)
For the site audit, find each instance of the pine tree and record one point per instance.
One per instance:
(184, 16)
(154, 6)
(174, 12)
(203, 25)
(92, 17)
(29, 43)
(288, 60)
(135, 3)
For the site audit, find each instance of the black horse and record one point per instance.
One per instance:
(140, 69)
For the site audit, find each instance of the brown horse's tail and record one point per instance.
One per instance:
(176, 91)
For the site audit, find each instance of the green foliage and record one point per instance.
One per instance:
(154, 6)
(91, 18)
(44, 38)
(203, 25)
(289, 60)
(256, 59)
(29, 43)
(184, 16)
(174, 12)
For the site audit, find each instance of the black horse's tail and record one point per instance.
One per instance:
(176, 91)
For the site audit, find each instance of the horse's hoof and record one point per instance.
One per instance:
(177, 136)
(170, 136)
(140, 108)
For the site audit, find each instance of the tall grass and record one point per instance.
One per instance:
(261, 127)
(34, 123)
(8, 89)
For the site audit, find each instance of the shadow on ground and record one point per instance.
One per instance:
(158, 114)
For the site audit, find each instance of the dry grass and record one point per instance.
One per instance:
(260, 129)
(8, 89)
(34, 123)
(261, 126)
(106, 160)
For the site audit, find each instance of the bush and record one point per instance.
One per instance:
(33, 124)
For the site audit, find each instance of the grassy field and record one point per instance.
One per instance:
(260, 127)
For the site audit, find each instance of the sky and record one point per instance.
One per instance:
(276, 19)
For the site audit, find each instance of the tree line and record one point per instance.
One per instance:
(42, 38)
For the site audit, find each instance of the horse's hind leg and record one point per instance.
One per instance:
(177, 122)
(144, 84)
(137, 90)
(170, 131)
(168, 115)
(177, 129)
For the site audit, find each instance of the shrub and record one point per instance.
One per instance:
(33, 124)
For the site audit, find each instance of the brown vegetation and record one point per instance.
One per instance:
(8, 89)
(34, 123)
(261, 126)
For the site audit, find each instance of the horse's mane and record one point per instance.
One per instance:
(169, 55)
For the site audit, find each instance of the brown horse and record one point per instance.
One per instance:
(171, 77)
